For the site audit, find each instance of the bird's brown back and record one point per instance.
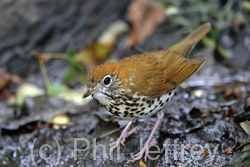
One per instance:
(156, 73)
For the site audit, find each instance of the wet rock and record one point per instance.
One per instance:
(195, 113)
(39, 24)
(39, 108)
(247, 105)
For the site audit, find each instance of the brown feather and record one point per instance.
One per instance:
(156, 73)
(144, 72)
(185, 46)
(96, 75)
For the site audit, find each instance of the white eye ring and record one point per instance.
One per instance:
(107, 80)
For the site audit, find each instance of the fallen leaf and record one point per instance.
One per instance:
(41, 109)
(144, 17)
(98, 51)
(110, 34)
(231, 90)
(4, 78)
(246, 5)
(93, 54)
(74, 95)
(246, 126)
(141, 164)
(60, 121)
(25, 90)
(235, 90)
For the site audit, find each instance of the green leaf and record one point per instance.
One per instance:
(209, 42)
(180, 20)
(55, 90)
(225, 53)
(74, 66)
(70, 74)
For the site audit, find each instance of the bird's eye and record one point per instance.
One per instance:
(107, 80)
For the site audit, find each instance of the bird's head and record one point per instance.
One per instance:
(102, 80)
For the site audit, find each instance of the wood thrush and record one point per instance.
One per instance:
(142, 84)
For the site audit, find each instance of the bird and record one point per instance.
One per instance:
(141, 85)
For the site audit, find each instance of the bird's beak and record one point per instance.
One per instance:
(90, 91)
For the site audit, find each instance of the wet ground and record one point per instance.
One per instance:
(201, 126)
(206, 131)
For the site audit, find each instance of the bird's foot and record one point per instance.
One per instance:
(149, 142)
(144, 151)
(122, 138)
(125, 134)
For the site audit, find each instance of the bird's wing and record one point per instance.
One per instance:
(156, 73)
(177, 68)
(144, 75)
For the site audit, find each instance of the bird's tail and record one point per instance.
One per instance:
(185, 46)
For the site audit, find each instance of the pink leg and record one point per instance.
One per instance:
(149, 142)
(125, 134)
